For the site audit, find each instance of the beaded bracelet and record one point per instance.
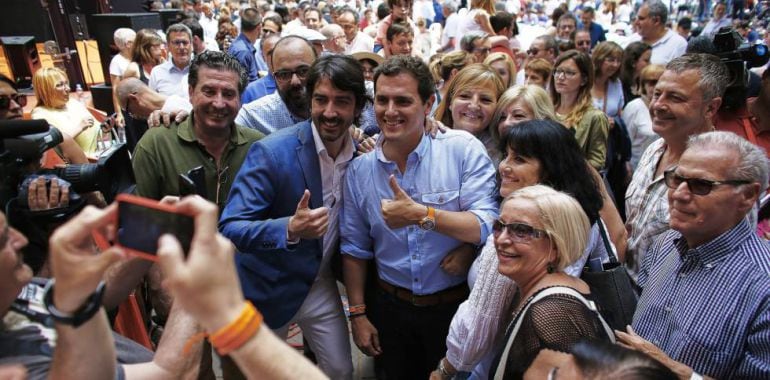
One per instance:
(231, 337)
(356, 309)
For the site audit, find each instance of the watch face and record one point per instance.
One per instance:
(428, 225)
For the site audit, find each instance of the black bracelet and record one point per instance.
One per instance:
(356, 315)
(82, 315)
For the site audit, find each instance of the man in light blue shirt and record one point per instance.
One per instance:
(408, 205)
(167, 77)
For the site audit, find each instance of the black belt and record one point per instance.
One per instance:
(446, 296)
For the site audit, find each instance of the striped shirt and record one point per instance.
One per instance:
(646, 204)
(709, 307)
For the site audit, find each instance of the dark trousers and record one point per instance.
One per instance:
(412, 338)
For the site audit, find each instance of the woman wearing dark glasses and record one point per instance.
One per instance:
(536, 152)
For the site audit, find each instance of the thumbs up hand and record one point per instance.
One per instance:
(401, 211)
(308, 223)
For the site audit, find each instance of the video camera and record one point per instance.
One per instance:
(739, 57)
(22, 145)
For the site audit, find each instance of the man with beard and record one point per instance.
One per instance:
(292, 58)
(283, 211)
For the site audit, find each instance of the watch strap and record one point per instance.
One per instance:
(83, 314)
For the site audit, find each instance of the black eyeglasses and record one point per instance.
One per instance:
(5, 100)
(285, 75)
(533, 51)
(519, 232)
(697, 186)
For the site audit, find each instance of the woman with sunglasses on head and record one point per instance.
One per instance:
(470, 102)
(518, 104)
(636, 115)
(573, 78)
(537, 152)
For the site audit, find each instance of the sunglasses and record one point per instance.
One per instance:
(286, 75)
(519, 232)
(697, 186)
(5, 100)
(533, 51)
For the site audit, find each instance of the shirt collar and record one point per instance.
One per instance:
(186, 132)
(420, 151)
(714, 251)
(346, 154)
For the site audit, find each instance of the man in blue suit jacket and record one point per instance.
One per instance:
(282, 215)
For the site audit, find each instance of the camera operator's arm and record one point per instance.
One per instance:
(214, 297)
(85, 352)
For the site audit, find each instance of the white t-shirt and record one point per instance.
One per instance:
(450, 28)
(118, 65)
(671, 46)
(636, 116)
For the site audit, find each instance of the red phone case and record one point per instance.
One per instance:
(149, 203)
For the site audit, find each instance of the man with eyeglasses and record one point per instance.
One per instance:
(544, 47)
(686, 98)
(292, 58)
(336, 42)
(582, 40)
(705, 303)
(565, 26)
(242, 47)
(166, 77)
(650, 25)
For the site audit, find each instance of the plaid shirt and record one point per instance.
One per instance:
(709, 306)
(646, 205)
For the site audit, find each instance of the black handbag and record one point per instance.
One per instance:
(612, 287)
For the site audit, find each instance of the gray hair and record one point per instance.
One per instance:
(466, 43)
(122, 35)
(714, 75)
(656, 8)
(449, 4)
(549, 43)
(179, 28)
(752, 160)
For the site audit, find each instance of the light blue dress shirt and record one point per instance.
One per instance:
(452, 173)
(267, 114)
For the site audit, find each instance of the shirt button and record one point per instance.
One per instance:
(656, 342)
(416, 280)
(709, 266)
(414, 257)
(667, 309)
(681, 275)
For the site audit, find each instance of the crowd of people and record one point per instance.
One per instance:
(432, 180)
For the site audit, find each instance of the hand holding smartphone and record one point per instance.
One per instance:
(142, 221)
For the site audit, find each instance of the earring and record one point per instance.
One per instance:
(549, 268)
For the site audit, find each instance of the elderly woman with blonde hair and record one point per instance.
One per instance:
(70, 116)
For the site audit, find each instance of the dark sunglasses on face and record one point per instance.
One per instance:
(533, 51)
(285, 75)
(697, 186)
(519, 232)
(5, 100)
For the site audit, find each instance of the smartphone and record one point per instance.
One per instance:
(198, 177)
(186, 185)
(142, 221)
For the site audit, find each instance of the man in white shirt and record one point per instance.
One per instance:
(448, 40)
(651, 28)
(357, 40)
(165, 78)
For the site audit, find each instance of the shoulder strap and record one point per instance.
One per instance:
(539, 296)
(608, 245)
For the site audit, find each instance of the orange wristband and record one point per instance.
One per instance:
(231, 337)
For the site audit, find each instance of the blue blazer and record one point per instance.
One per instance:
(277, 170)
